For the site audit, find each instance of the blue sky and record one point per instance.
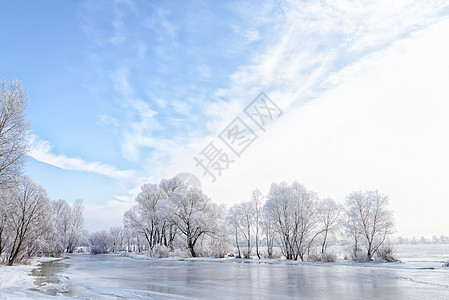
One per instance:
(126, 92)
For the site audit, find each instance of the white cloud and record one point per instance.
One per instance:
(140, 125)
(41, 150)
(383, 127)
(376, 121)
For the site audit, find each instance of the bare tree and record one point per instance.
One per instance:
(328, 221)
(29, 208)
(148, 208)
(233, 221)
(76, 226)
(5, 224)
(245, 223)
(369, 221)
(269, 232)
(195, 216)
(278, 212)
(116, 234)
(61, 219)
(13, 131)
(257, 201)
(293, 212)
(329, 216)
(68, 224)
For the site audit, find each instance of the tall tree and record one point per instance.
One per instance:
(13, 131)
(292, 209)
(257, 200)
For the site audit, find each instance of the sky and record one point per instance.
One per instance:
(353, 96)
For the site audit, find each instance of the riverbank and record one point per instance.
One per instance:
(15, 281)
(432, 256)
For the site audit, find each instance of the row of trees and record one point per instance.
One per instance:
(30, 223)
(172, 217)
(290, 216)
(302, 225)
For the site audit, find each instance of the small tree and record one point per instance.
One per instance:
(369, 222)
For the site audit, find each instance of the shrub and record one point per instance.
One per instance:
(359, 256)
(386, 254)
(325, 257)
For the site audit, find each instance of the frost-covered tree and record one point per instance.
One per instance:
(328, 222)
(245, 224)
(76, 226)
(149, 209)
(269, 232)
(28, 210)
(61, 219)
(292, 210)
(68, 222)
(257, 201)
(117, 238)
(150, 217)
(195, 216)
(5, 224)
(135, 232)
(233, 221)
(100, 242)
(32, 225)
(13, 131)
(245, 221)
(369, 222)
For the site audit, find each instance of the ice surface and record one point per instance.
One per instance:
(419, 276)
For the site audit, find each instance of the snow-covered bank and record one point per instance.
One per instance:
(15, 281)
(410, 256)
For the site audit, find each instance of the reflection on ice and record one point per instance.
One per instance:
(113, 277)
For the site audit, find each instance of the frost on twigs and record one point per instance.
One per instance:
(386, 254)
(13, 132)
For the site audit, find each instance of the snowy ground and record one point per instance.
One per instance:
(16, 282)
(419, 276)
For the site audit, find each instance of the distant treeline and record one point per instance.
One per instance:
(442, 239)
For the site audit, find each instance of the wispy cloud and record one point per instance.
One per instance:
(298, 52)
(108, 120)
(41, 150)
(139, 129)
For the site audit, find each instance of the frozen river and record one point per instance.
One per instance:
(116, 277)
